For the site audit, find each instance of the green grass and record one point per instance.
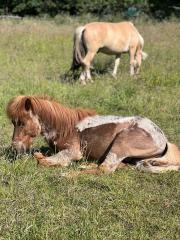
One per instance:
(37, 203)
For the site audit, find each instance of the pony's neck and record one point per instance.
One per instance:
(58, 121)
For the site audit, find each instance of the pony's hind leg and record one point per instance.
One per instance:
(169, 161)
(132, 143)
(128, 143)
(155, 165)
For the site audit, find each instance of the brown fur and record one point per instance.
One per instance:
(109, 143)
(61, 118)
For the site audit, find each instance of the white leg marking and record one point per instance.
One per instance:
(82, 78)
(62, 158)
(132, 69)
(111, 163)
(117, 62)
(88, 74)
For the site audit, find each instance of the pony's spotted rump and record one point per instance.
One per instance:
(143, 123)
(78, 133)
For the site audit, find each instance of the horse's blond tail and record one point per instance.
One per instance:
(79, 49)
(141, 40)
(144, 55)
(170, 161)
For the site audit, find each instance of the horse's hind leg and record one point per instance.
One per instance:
(86, 74)
(117, 62)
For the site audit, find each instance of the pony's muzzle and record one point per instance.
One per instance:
(19, 147)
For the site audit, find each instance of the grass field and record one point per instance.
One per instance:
(37, 203)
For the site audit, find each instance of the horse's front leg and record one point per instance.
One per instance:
(82, 77)
(132, 52)
(62, 158)
(117, 62)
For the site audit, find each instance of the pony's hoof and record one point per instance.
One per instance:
(71, 174)
(38, 156)
(88, 166)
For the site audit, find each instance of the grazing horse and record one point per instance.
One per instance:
(108, 38)
(77, 133)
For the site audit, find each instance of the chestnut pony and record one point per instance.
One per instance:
(77, 133)
(108, 38)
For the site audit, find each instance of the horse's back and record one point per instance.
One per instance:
(110, 37)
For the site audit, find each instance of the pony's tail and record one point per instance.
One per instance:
(79, 49)
(144, 54)
(170, 161)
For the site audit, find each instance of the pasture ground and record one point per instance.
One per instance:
(37, 203)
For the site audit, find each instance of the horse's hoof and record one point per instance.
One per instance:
(114, 76)
(82, 82)
(91, 81)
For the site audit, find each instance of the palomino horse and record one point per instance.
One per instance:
(109, 38)
(77, 133)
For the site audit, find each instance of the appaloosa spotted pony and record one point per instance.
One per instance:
(77, 133)
(108, 38)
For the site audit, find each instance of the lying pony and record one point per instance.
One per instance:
(78, 133)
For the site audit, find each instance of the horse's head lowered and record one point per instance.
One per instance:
(26, 124)
(32, 115)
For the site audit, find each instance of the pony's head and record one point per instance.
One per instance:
(26, 123)
(32, 115)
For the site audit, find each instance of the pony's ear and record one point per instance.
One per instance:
(28, 104)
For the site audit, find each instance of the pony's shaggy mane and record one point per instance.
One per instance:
(51, 113)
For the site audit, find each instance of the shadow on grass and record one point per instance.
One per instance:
(69, 77)
(72, 76)
(11, 155)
